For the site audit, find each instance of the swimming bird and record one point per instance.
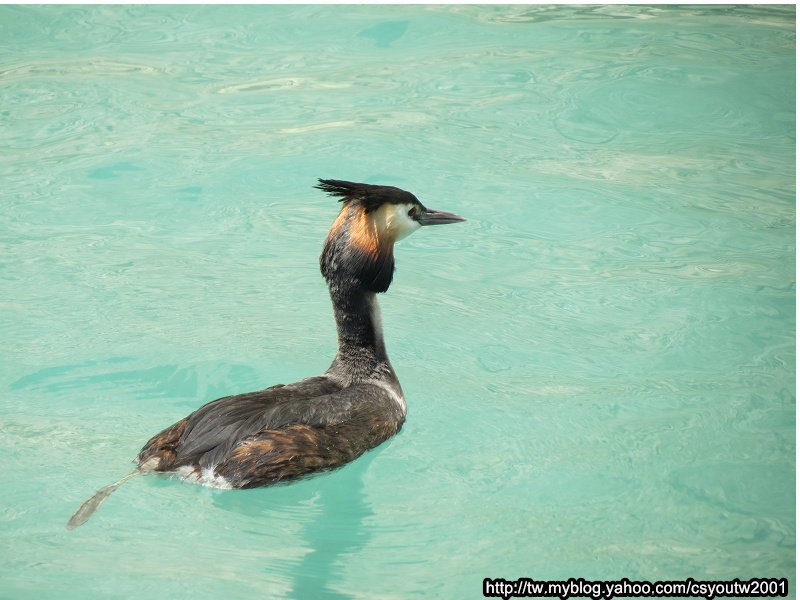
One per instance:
(285, 432)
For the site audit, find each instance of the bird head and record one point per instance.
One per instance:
(360, 243)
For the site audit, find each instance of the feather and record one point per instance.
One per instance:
(366, 194)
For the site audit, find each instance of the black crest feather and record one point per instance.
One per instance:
(368, 195)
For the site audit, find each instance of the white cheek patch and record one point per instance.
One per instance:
(398, 222)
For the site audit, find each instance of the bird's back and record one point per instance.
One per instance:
(276, 434)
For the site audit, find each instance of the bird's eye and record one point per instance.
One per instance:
(412, 212)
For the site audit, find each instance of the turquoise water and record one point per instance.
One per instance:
(599, 364)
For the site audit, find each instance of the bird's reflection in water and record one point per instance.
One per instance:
(331, 509)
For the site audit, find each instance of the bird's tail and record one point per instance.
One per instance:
(87, 509)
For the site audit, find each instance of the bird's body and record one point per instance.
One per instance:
(289, 431)
(277, 434)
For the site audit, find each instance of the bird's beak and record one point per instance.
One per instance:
(438, 217)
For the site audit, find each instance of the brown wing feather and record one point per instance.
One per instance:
(262, 438)
(163, 446)
(297, 450)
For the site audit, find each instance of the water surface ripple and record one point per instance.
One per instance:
(599, 364)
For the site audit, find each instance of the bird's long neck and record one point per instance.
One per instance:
(359, 328)
(357, 264)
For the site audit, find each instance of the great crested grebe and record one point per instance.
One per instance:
(289, 431)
